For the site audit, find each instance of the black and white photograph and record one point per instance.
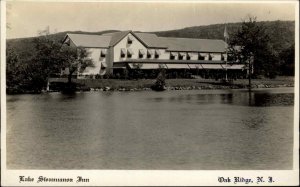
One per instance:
(149, 93)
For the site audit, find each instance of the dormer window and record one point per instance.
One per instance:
(129, 53)
(103, 53)
(141, 53)
(123, 53)
(201, 57)
(130, 39)
(157, 53)
(149, 53)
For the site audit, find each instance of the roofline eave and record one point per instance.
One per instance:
(65, 37)
(190, 51)
(93, 47)
(151, 61)
(134, 36)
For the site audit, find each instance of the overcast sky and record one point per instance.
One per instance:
(27, 18)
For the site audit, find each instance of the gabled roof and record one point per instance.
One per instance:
(151, 40)
(183, 44)
(193, 44)
(116, 36)
(86, 40)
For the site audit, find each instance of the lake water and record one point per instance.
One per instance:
(195, 129)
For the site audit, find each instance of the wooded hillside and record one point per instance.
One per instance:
(281, 33)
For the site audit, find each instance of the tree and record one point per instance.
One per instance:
(287, 61)
(254, 43)
(12, 63)
(47, 54)
(160, 82)
(23, 74)
(51, 56)
(75, 59)
(14, 75)
(30, 71)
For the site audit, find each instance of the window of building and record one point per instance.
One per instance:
(130, 39)
(172, 56)
(181, 56)
(103, 53)
(129, 53)
(141, 53)
(103, 65)
(123, 52)
(157, 53)
(189, 56)
(210, 57)
(201, 57)
(222, 57)
(149, 53)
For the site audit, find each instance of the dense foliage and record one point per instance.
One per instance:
(251, 45)
(255, 49)
(287, 61)
(29, 71)
(75, 59)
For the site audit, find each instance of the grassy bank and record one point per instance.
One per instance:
(177, 84)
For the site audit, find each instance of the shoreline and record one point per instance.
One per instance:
(178, 84)
(171, 88)
(85, 85)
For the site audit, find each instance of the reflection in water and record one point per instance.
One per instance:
(250, 98)
(238, 98)
(269, 99)
(65, 96)
(206, 129)
(227, 98)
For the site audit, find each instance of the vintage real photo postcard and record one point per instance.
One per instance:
(147, 93)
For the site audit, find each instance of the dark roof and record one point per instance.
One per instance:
(151, 41)
(193, 44)
(86, 40)
(168, 61)
(116, 36)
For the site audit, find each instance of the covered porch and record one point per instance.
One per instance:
(149, 68)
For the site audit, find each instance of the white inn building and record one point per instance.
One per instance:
(117, 51)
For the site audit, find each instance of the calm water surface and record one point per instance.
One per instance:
(198, 129)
